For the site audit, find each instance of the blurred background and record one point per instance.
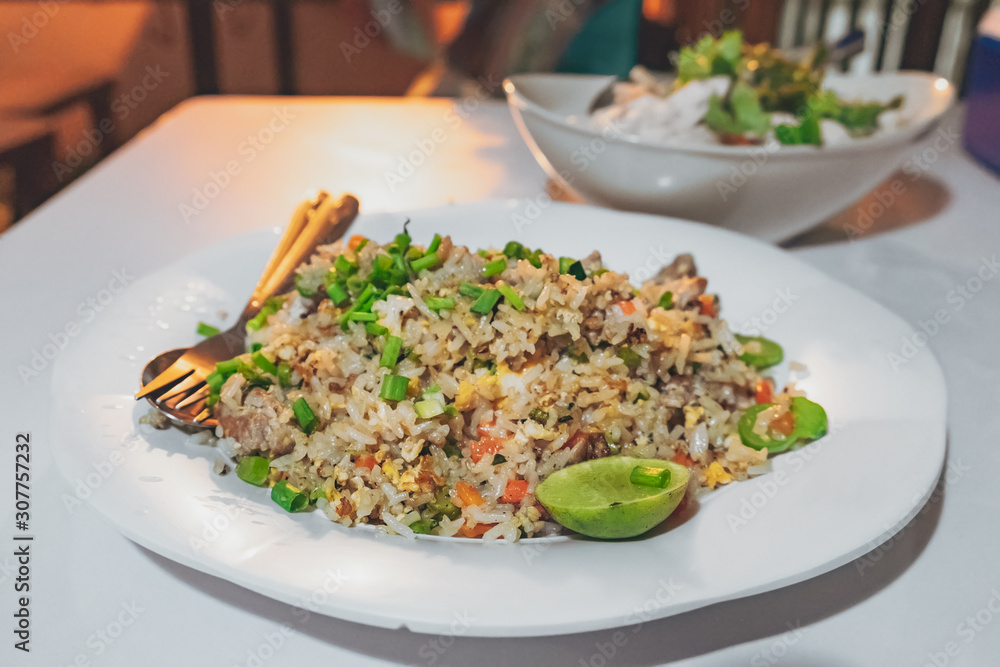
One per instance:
(80, 78)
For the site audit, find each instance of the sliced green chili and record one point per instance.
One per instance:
(760, 352)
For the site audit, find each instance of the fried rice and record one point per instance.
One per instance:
(571, 362)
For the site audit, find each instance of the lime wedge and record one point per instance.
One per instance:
(596, 498)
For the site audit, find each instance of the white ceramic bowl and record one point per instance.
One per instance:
(770, 195)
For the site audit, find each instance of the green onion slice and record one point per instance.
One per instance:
(337, 294)
(511, 296)
(470, 290)
(649, 476)
(629, 357)
(390, 353)
(486, 301)
(393, 387)
(425, 262)
(435, 244)
(495, 267)
(284, 374)
(207, 330)
(439, 303)
(253, 470)
(429, 408)
(305, 416)
(263, 363)
(423, 526)
(287, 498)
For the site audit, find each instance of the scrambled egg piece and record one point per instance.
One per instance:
(408, 482)
(716, 474)
(463, 399)
(692, 414)
(390, 472)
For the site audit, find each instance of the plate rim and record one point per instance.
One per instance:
(176, 553)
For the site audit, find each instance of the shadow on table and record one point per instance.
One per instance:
(898, 202)
(780, 613)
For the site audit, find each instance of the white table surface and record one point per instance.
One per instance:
(912, 601)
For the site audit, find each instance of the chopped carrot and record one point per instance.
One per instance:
(485, 445)
(468, 494)
(784, 424)
(485, 428)
(355, 241)
(364, 461)
(765, 394)
(478, 530)
(627, 307)
(574, 439)
(708, 305)
(684, 459)
(515, 492)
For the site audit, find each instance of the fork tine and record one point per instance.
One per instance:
(164, 380)
(201, 393)
(182, 389)
(203, 415)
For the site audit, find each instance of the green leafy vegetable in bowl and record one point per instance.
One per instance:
(764, 83)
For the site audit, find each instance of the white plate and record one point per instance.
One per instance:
(821, 506)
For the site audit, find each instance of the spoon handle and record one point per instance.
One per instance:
(295, 226)
(329, 221)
